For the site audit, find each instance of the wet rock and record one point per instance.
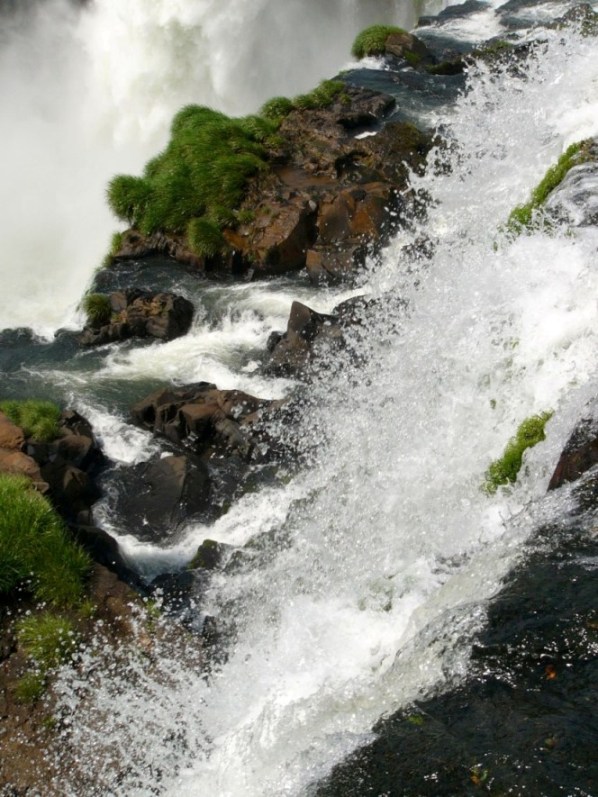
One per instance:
(104, 550)
(209, 555)
(138, 314)
(579, 455)
(208, 421)
(156, 498)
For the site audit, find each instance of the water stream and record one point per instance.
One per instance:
(367, 575)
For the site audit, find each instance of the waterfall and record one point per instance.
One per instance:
(373, 568)
(90, 91)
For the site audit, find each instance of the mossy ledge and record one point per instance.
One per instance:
(522, 217)
(505, 470)
(372, 40)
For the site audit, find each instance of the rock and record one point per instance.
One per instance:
(157, 497)
(409, 48)
(579, 455)
(208, 421)
(141, 314)
(20, 464)
(209, 555)
(104, 550)
(11, 436)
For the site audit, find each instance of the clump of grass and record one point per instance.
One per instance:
(35, 547)
(97, 308)
(205, 237)
(30, 687)
(505, 470)
(522, 216)
(277, 108)
(321, 97)
(48, 638)
(38, 419)
(372, 40)
(202, 173)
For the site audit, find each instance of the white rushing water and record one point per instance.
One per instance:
(376, 562)
(89, 91)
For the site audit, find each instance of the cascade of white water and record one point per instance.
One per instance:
(377, 560)
(89, 91)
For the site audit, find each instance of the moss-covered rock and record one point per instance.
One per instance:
(504, 470)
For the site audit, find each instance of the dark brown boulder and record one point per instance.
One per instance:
(164, 316)
(156, 498)
(579, 455)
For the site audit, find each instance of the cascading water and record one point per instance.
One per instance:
(90, 91)
(368, 574)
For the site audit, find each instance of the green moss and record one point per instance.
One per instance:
(38, 419)
(372, 40)
(522, 216)
(505, 470)
(97, 308)
(35, 547)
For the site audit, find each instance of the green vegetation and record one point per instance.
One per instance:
(372, 40)
(35, 547)
(505, 470)
(522, 216)
(202, 173)
(38, 419)
(49, 640)
(196, 185)
(97, 309)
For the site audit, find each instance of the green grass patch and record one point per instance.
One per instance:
(97, 308)
(47, 638)
(204, 237)
(321, 97)
(38, 419)
(505, 470)
(372, 40)
(30, 687)
(522, 216)
(35, 547)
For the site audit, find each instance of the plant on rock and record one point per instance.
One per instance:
(38, 419)
(505, 470)
(522, 216)
(35, 547)
(372, 40)
(97, 308)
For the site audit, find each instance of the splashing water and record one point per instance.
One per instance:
(365, 595)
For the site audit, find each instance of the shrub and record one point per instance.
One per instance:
(505, 469)
(34, 546)
(372, 40)
(38, 419)
(97, 308)
(522, 216)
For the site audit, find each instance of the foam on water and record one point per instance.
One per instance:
(365, 591)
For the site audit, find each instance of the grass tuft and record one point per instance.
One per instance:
(204, 237)
(30, 687)
(38, 419)
(505, 470)
(48, 638)
(97, 308)
(35, 547)
(522, 216)
(372, 40)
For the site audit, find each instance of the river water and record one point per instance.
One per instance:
(375, 564)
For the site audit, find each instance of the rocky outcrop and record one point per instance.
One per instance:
(335, 189)
(209, 422)
(138, 314)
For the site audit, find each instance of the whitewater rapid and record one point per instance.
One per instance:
(371, 570)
